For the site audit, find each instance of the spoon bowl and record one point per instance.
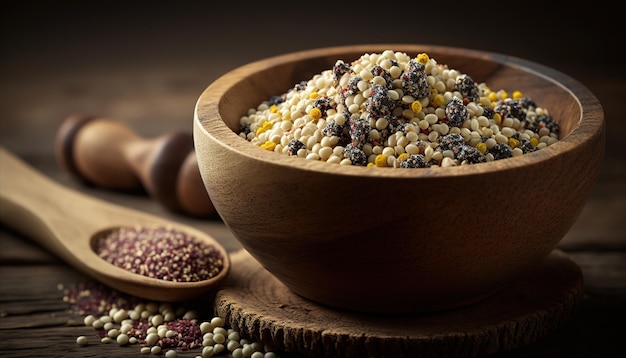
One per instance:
(68, 222)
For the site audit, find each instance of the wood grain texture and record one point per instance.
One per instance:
(346, 236)
(35, 322)
(535, 305)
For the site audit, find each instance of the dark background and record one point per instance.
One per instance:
(55, 47)
(145, 63)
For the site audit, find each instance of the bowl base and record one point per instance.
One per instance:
(254, 302)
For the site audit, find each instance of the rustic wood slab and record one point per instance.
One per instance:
(257, 304)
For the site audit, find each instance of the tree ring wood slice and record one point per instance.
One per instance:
(259, 306)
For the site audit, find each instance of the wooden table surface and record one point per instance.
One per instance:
(146, 64)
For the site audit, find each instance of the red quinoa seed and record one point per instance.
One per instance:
(160, 252)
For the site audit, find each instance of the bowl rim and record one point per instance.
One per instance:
(590, 124)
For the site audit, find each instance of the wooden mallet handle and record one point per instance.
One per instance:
(108, 154)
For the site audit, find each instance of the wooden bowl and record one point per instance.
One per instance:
(387, 240)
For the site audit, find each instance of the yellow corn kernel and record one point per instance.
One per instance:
(513, 143)
(369, 165)
(313, 95)
(497, 118)
(482, 147)
(517, 95)
(423, 58)
(416, 106)
(492, 96)
(263, 127)
(273, 108)
(315, 113)
(269, 145)
(381, 160)
(438, 100)
(503, 94)
(404, 156)
(534, 141)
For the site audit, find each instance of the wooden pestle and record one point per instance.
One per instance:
(108, 154)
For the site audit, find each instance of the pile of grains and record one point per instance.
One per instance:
(160, 252)
(156, 327)
(391, 110)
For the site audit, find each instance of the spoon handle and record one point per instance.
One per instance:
(37, 207)
(111, 155)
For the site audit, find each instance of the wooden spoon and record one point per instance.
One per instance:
(66, 222)
(109, 154)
